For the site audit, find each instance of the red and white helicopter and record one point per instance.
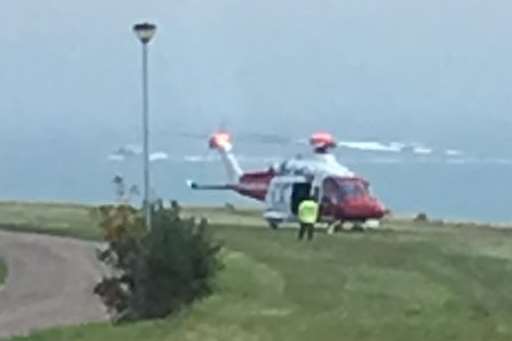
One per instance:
(343, 196)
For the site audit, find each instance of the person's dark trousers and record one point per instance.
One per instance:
(309, 228)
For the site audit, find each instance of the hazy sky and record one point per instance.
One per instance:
(435, 71)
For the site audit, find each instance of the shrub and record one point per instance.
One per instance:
(158, 272)
(230, 207)
(421, 217)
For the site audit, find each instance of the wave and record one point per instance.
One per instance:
(414, 148)
(116, 157)
(200, 158)
(372, 146)
(158, 156)
(240, 157)
(119, 157)
(454, 157)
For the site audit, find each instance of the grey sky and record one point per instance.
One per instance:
(436, 71)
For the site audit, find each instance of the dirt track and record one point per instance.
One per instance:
(50, 282)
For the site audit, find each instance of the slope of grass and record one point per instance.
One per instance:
(3, 272)
(77, 220)
(405, 282)
(50, 218)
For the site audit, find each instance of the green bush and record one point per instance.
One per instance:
(158, 272)
(421, 217)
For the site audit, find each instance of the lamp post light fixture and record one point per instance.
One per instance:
(145, 32)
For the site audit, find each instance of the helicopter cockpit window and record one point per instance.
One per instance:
(330, 191)
(352, 189)
(336, 190)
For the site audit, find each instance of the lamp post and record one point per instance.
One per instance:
(145, 32)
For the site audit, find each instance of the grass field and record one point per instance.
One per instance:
(77, 220)
(3, 272)
(51, 218)
(407, 281)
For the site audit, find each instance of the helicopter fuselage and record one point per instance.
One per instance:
(342, 195)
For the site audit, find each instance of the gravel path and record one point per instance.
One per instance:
(49, 283)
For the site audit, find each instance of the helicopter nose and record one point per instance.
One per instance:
(364, 207)
(379, 209)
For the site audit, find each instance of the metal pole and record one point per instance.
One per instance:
(147, 202)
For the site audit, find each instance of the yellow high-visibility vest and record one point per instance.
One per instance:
(308, 212)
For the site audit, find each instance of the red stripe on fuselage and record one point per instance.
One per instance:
(255, 184)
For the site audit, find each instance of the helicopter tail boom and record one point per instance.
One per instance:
(222, 143)
(194, 185)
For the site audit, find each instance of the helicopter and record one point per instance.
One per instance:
(343, 196)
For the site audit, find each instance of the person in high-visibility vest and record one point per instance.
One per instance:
(308, 215)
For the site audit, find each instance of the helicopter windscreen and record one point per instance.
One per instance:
(338, 189)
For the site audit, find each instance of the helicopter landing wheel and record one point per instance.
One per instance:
(334, 226)
(358, 226)
(274, 224)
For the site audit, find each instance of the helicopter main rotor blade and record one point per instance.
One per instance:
(265, 138)
(372, 146)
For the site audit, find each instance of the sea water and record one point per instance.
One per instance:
(466, 189)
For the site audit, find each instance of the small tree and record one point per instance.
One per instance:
(154, 273)
(123, 195)
(421, 217)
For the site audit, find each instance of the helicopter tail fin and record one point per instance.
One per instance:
(221, 142)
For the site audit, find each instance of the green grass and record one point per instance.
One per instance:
(75, 220)
(405, 282)
(50, 218)
(3, 272)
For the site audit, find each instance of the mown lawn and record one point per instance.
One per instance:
(76, 220)
(51, 218)
(405, 282)
(3, 272)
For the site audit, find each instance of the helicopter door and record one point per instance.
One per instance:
(284, 196)
(278, 199)
(300, 192)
